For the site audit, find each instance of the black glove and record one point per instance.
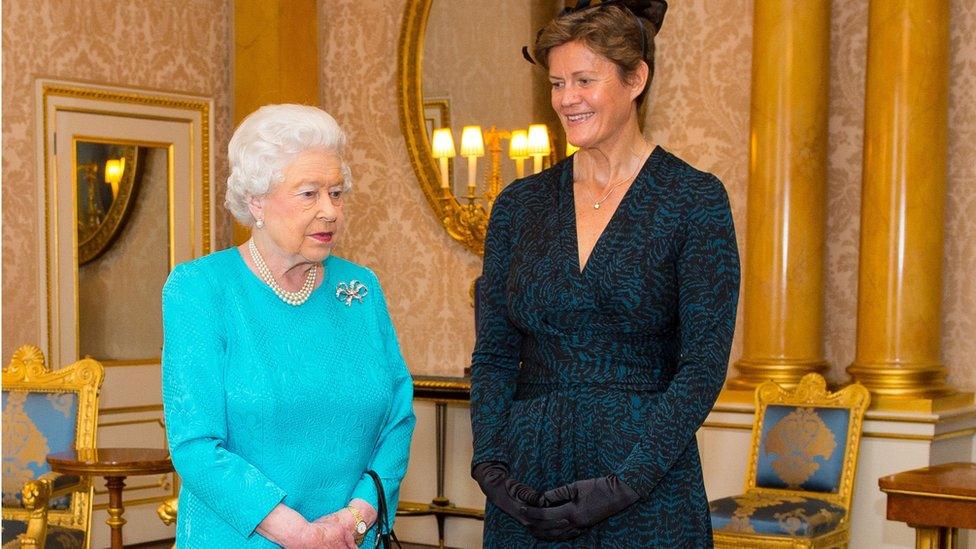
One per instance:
(581, 504)
(504, 492)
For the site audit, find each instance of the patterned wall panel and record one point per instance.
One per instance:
(392, 229)
(959, 289)
(181, 46)
(699, 106)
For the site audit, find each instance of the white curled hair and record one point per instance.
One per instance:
(270, 139)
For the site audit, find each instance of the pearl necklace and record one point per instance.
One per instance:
(291, 298)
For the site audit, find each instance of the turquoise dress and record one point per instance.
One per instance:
(268, 403)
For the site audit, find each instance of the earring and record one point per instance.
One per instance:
(259, 224)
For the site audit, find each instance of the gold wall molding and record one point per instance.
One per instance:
(132, 116)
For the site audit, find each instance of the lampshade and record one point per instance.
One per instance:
(518, 145)
(443, 143)
(472, 142)
(570, 149)
(538, 140)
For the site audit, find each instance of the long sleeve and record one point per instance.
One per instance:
(392, 449)
(194, 409)
(708, 287)
(495, 361)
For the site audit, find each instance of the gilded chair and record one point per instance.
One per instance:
(46, 411)
(801, 469)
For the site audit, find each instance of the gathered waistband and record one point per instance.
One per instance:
(528, 390)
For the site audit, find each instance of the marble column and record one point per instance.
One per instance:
(275, 59)
(902, 203)
(784, 258)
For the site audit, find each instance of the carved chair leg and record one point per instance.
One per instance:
(37, 496)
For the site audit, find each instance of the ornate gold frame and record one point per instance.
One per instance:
(466, 223)
(811, 391)
(196, 113)
(28, 372)
(101, 239)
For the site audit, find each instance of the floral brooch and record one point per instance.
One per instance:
(353, 290)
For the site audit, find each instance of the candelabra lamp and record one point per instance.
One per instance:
(466, 216)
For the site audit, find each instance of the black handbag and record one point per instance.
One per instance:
(384, 534)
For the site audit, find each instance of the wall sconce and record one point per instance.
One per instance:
(442, 149)
(472, 147)
(113, 174)
(518, 150)
(538, 145)
(466, 218)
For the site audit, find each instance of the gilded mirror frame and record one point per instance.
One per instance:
(410, 56)
(99, 239)
(190, 196)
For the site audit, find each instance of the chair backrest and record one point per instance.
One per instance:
(46, 411)
(805, 441)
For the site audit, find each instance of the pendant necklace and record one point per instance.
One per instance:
(291, 298)
(612, 186)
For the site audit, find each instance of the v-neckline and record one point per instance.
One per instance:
(580, 272)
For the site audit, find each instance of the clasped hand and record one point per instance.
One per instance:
(332, 531)
(561, 513)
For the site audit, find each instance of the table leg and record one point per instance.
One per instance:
(115, 509)
(934, 537)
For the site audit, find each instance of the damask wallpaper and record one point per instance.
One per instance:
(181, 46)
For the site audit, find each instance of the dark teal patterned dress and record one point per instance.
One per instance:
(612, 370)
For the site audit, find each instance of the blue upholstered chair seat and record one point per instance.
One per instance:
(57, 538)
(773, 514)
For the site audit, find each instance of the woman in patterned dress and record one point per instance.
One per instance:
(283, 382)
(606, 312)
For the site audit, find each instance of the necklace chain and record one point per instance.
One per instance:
(291, 298)
(612, 186)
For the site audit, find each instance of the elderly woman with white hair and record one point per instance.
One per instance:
(283, 384)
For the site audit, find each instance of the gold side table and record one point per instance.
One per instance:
(114, 464)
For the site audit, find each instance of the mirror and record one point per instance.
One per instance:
(107, 181)
(123, 249)
(460, 63)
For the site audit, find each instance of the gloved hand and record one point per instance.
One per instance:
(579, 505)
(504, 492)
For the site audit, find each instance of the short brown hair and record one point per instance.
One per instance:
(611, 31)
